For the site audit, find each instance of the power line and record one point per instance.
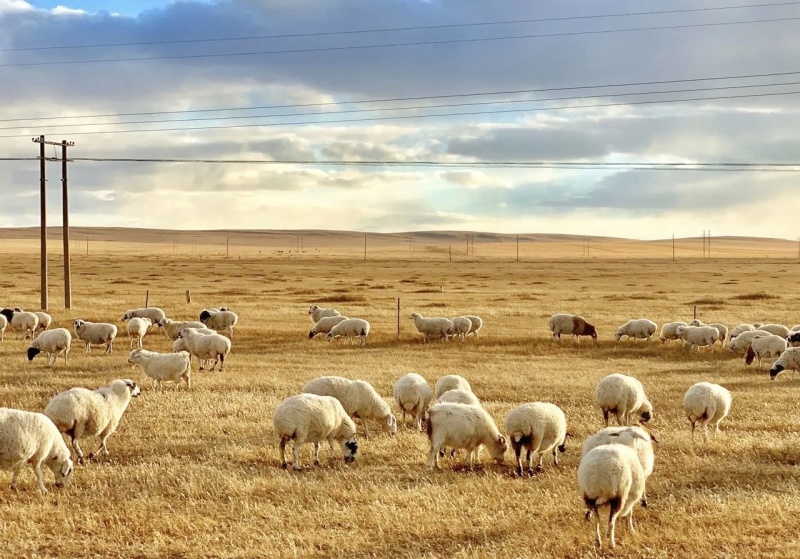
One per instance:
(397, 45)
(399, 29)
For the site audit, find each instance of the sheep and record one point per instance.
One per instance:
(25, 322)
(795, 328)
(155, 314)
(350, 328)
(180, 344)
(793, 339)
(789, 360)
(765, 346)
(313, 419)
(741, 329)
(611, 475)
(570, 324)
(462, 426)
(458, 396)
(540, 427)
(776, 329)
(137, 328)
(207, 347)
(45, 320)
(451, 382)
(358, 398)
(316, 313)
(432, 327)
(707, 403)
(721, 328)
(53, 343)
(413, 395)
(31, 438)
(324, 325)
(697, 336)
(220, 321)
(741, 343)
(80, 412)
(477, 324)
(172, 328)
(461, 327)
(97, 333)
(635, 329)
(3, 326)
(624, 396)
(169, 367)
(669, 331)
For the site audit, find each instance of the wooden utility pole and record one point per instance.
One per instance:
(709, 243)
(43, 219)
(517, 248)
(673, 248)
(65, 225)
(450, 252)
(365, 247)
(398, 317)
(227, 246)
(704, 243)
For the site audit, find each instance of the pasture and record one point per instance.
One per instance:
(197, 473)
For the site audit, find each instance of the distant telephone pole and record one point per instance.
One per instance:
(517, 248)
(365, 247)
(43, 219)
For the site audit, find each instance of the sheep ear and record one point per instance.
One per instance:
(570, 435)
(501, 439)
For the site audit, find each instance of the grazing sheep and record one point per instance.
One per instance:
(477, 324)
(169, 367)
(793, 339)
(697, 336)
(570, 324)
(80, 412)
(540, 427)
(413, 395)
(180, 344)
(324, 325)
(634, 437)
(316, 313)
(460, 426)
(789, 360)
(669, 331)
(611, 475)
(172, 328)
(309, 418)
(137, 328)
(624, 397)
(358, 398)
(740, 329)
(25, 322)
(721, 328)
(707, 403)
(350, 328)
(31, 438)
(451, 382)
(45, 320)
(461, 327)
(775, 329)
(153, 313)
(53, 343)
(220, 321)
(641, 328)
(765, 346)
(459, 396)
(3, 326)
(437, 327)
(207, 347)
(97, 333)
(741, 343)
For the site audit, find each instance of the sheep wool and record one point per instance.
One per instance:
(436, 327)
(788, 361)
(539, 427)
(461, 327)
(770, 346)
(721, 328)
(155, 314)
(637, 329)
(413, 395)
(52, 343)
(741, 343)
(324, 325)
(173, 328)
(477, 324)
(624, 397)
(163, 367)
(740, 329)
(707, 403)
(350, 328)
(137, 329)
(669, 332)
(45, 320)
(459, 426)
(222, 321)
(358, 398)
(95, 333)
(451, 382)
(775, 329)
(207, 347)
(574, 325)
(3, 326)
(316, 313)
(458, 396)
(698, 336)
(19, 320)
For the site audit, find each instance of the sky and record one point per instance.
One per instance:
(216, 100)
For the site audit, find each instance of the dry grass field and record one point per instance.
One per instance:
(197, 473)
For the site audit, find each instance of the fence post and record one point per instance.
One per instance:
(450, 252)
(695, 312)
(147, 299)
(188, 296)
(398, 317)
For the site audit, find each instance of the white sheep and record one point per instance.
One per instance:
(436, 327)
(350, 328)
(461, 327)
(624, 397)
(459, 396)
(640, 328)
(358, 398)
(180, 344)
(721, 328)
(571, 324)
(413, 395)
(740, 329)
(324, 325)
(53, 343)
(765, 346)
(137, 328)
(477, 324)
(698, 336)
(541, 428)
(707, 403)
(788, 361)
(153, 313)
(795, 328)
(741, 343)
(25, 322)
(3, 326)
(451, 382)
(669, 331)
(31, 438)
(460, 426)
(80, 412)
(97, 333)
(775, 329)
(45, 320)
(207, 347)
(309, 418)
(611, 476)
(316, 313)
(220, 321)
(172, 328)
(161, 367)
(637, 438)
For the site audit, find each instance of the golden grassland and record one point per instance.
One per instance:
(197, 473)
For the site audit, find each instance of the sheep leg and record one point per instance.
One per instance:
(366, 428)
(518, 453)
(621, 418)
(705, 429)
(103, 448)
(17, 468)
(88, 347)
(38, 469)
(283, 452)
(605, 416)
(296, 454)
(471, 459)
(693, 428)
(555, 456)
(630, 523)
(613, 513)
(109, 347)
(597, 541)
(187, 376)
(316, 453)
(66, 357)
(230, 332)
(433, 455)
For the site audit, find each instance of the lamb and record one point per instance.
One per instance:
(624, 396)
(776, 329)
(3, 326)
(31, 438)
(169, 367)
(460, 426)
(220, 321)
(669, 331)
(570, 324)
(172, 328)
(611, 475)
(207, 347)
(741, 343)
(25, 322)
(540, 427)
(789, 360)
(636, 329)
(437, 327)
(477, 324)
(461, 327)
(451, 382)
(351, 327)
(80, 412)
(153, 313)
(137, 328)
(741, 329)
(458, 396)
(358, 398)
(316, 313)
(721, 328)
(697, 336)
(97, 333)
(324, 325)
(413, 395)
(45, 320)
(707, 403)
(765, 346)
(308, 418)
(53, 343)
